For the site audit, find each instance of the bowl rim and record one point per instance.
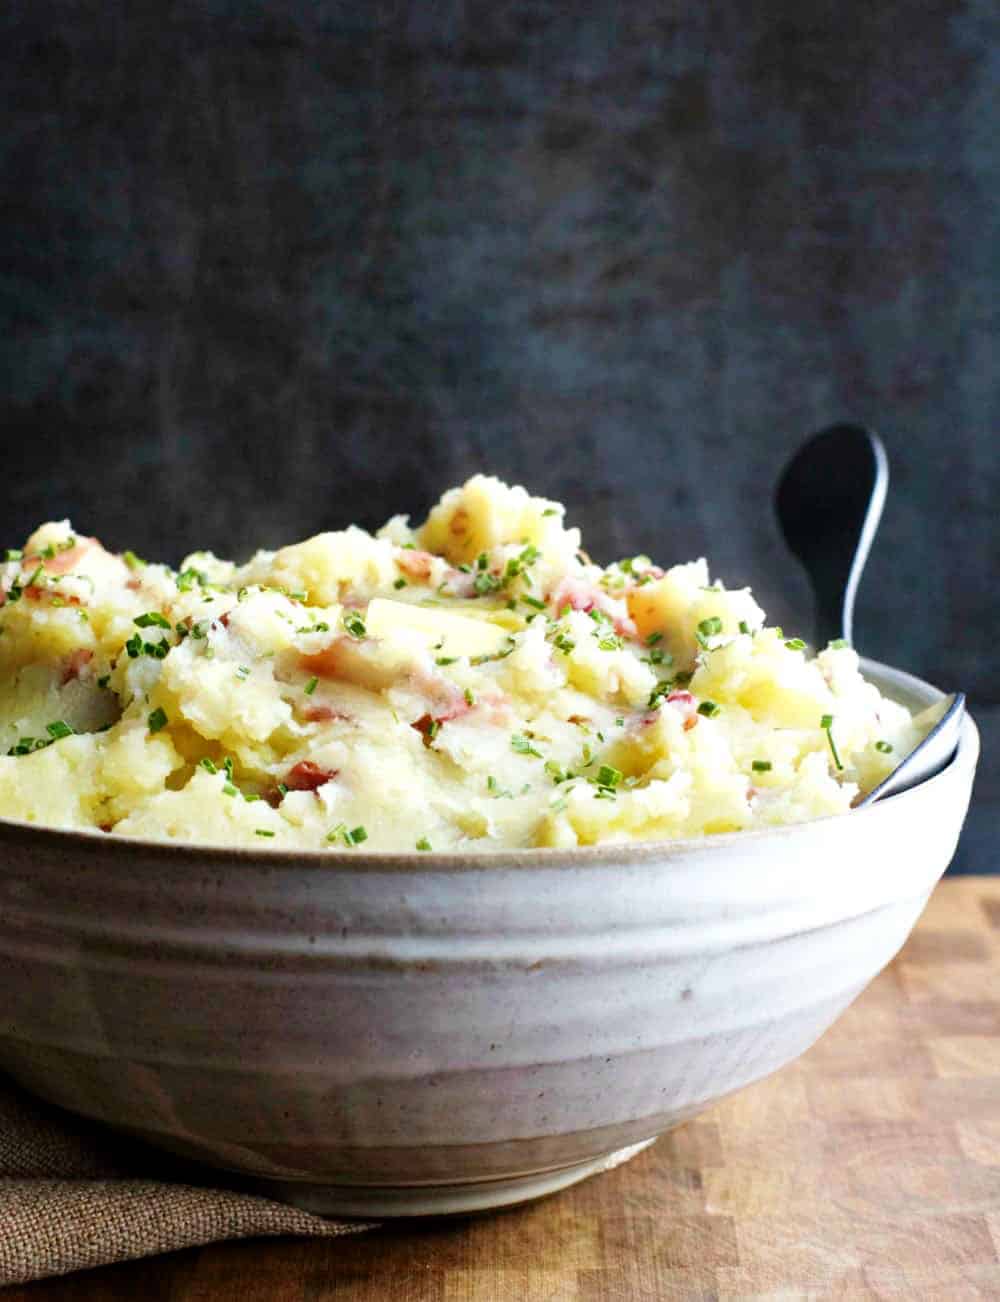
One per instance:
(605, 853)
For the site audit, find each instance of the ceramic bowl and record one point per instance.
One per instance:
(396, 1035)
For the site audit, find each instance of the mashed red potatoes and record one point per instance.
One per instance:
(475, 683)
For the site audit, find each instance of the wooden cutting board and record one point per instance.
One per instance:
(868, 1169)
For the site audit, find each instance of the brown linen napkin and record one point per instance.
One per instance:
(74, 1195)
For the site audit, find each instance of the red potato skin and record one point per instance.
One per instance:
(63, 562)
(74, 662)
(415, 564)
(324, 664)
(307, 776)
(322, 714)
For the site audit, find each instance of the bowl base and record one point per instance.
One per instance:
(382, 1201)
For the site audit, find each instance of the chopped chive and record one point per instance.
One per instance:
(262, 831)
(884, 746)
(446, 660)
(58, 729)
(282, 789)
(608, 776)
(424, 844)
(709, 627)
(761, 766)
(556, 772)
(132, 561)
(355, 625)
(826, 723)
(654, 638)
(534, 601)
(229, 789)
(550, 510)
(104, 680)
(709, 709)
(795, 644)
(565, 644)
(243, 672)
(207, 765)
(335, 833)
(13, 554)
(157, 719)
(523, 746)
(356, 836)
(151, 618)
(838, 644)
(311, 686)
(470, 699)
(399, 583)
(744, 627)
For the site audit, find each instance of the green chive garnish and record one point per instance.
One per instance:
(761, 766)
(826, 723)
(311, 686)
(709, 709)
(523, 746)
(157, 720)
(424, 844)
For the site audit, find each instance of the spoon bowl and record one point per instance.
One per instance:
(828, 503)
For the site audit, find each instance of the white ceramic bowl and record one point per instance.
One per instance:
(397, 1035)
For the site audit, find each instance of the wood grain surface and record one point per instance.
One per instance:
(868, 1169)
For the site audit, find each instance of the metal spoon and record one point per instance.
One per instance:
(828, 502)
(934, 753)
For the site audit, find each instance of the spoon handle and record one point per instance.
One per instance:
(828, 502)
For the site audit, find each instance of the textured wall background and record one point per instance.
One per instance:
(267, 268)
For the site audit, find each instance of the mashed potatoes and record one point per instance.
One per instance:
(477, 683)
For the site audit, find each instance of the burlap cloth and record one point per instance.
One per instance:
(74, 1195)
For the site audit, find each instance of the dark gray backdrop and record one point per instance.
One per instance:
(269, 268)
